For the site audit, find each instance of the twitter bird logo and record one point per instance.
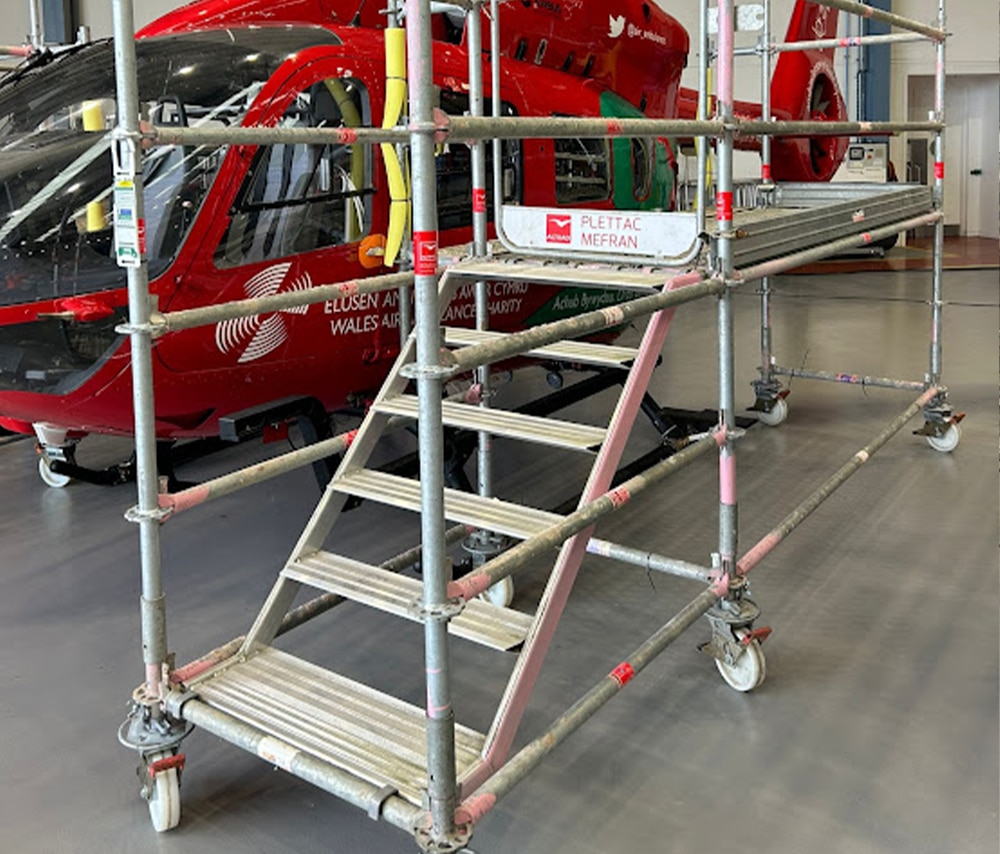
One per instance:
(616, 26)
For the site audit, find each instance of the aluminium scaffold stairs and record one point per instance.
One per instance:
(296, 706)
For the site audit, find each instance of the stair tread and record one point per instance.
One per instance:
(584, 352)
(491, 514)
(374, 736)
(480, 622)
(499, 422)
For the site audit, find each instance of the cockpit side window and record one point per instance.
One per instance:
(301, 197)
(582, 173)
(454, 168)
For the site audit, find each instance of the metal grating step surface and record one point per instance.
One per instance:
(499, 422)
(517, 269)
(376, 737)
(479, 622)
(583, 352)
(490, 514)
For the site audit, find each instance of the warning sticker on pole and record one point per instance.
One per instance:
(130, 231)
(425, 253)
(479, 201)
(655, 235)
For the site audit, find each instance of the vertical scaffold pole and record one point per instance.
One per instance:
(440, 715)
(934, 377)
(766, 377)
(129, 228)
(474, 37)
(701, 142)
(765, 94)
(724, 220)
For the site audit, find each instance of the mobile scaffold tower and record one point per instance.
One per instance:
(415, 768)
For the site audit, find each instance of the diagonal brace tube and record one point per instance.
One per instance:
(803, 511)
(681, 289)
(514, 559)
(485, 797)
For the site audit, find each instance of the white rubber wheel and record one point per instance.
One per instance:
(500, 594)
(748, 671)
(778, 413)
(947, 441)
(165, 802)
(49, 477)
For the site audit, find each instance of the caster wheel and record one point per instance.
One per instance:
(748, 671)
(947, 441)
(500, 594)
(778, 413)
(165, 800)
(49, 477)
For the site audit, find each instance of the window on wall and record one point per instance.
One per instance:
(302, 197)
(582, 171)
(454, 168)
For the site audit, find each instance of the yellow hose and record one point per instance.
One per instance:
(395, 98)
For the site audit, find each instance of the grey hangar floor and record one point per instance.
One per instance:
(876, 731)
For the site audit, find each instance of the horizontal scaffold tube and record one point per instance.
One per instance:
(825, 250)
(759, 127)
(511, 561)
(894, 20)
(174, 321)
(471, 128)
(649, 560)
(480, 802)
(467, 128)
(393, 809)
(802, 512)
(687, 287)
(847, 41)
(227, 484)
(849, 379)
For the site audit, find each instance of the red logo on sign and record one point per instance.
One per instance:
(558, 229)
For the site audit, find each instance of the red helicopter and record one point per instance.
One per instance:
(231, 222)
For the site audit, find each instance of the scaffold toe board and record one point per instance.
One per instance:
(480, 622)
(498, 422)
(306, 708)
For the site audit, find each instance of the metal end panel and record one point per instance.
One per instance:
(514, 269)
(367, 733)
(604, 355)
(499, 628)
(498, 422)
(490, 514)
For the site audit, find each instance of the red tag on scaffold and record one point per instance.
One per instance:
(724, 207)
(479, 201)
(765, 172)
(623, 674)
(939, 170)
(425, 253)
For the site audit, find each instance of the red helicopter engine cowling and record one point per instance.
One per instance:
(805, 87)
